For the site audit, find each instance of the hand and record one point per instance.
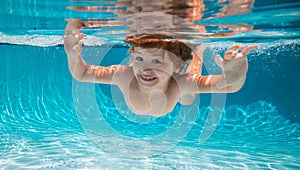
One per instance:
(73, 38)
(73, 43)
(234, 65)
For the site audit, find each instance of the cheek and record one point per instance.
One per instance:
(135, 72)
(164, 74)
(135, 69)
(164, 70)
(135, 65)
(169, 69)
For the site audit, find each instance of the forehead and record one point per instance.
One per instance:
(158, 51)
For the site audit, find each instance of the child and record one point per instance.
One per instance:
(154, 77)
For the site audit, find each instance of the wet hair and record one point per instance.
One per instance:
(164, 42)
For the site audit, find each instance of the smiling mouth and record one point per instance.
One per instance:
(147, 78)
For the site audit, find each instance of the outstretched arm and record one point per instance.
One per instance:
(234, 68)
(79, 69)
(73, 47)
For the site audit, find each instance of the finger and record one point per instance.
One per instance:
(81, 36)
(219, 61)
(236, 47)
(221, 84)
(70, 39)
(80, 42)
(80, 45)
(228, 55)
(249, 49)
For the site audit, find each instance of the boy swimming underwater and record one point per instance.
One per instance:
(153, 83)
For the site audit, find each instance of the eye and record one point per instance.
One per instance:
(157, 26)
(138, 58)
(155, 61)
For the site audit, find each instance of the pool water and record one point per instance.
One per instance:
(49, 120)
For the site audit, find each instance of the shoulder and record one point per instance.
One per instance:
(186, 82)
(122, 74)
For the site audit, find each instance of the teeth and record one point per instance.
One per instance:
(148, 78)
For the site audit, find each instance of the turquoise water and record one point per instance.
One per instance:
(50, 121)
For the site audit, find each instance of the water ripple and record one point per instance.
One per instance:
(39, 128)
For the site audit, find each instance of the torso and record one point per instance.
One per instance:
(157, 103)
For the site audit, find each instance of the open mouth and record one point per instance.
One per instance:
(147, 78)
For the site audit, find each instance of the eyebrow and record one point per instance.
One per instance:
(138, 52)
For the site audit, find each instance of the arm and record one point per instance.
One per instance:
(234, 68)
(79, 69)
(195, 68)
(209, 84)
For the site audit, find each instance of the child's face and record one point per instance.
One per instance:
(152, 67)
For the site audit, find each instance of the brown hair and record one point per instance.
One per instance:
(164, 42)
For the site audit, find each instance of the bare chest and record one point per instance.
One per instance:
(155, 103)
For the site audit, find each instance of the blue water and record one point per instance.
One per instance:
(44, 124)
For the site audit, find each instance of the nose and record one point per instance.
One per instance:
(145, 71)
